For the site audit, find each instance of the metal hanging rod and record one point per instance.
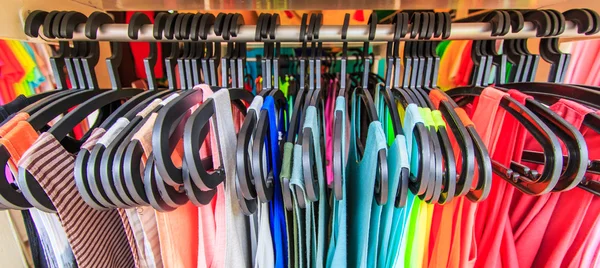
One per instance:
(328, 33)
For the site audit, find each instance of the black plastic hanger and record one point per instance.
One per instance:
(51, 30)
(419, 179)
(225, 60)
(167, 133)
(168, 120)
(448, 173)
(113, 185)
(199, 50)
(63, 127)
(45, 115)
(339, 157)
(573, 140)
(127, 166)
(151, 187)
(200, 184)
(98, 161)
(438, 138)
(69, 21)
(105, 157)
(168, 28)
(243, 165)
(195, 132)
(205, 22)
(9, 196)
(400, 24)
(546, 138)
(87, 162)
(381, 180)
(540, 131)
(575, 168)
(264, 183)
(310, 171)
(483, 59)
(447, 108)
(411, 75)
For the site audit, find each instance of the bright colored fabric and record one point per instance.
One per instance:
(582, 58)
(449, 64)
(277, 210)
(560, 242)
(12, 73)
(361, 183)
(492, 213)
(338, 245)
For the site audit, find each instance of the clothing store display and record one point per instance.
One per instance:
(445, 152)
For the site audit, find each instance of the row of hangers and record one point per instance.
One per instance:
(559, 173)
(114, 176)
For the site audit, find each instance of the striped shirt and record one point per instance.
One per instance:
(97, 237)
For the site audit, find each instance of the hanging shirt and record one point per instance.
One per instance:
(410, 116)
(303, 222)
(37, 77)
(265, 254)
(329, 113)
(438, 122)
(444, 217)
(277, 211)
(131, 227)
(397, 159)
(488, 117)
(417, 230)
(211, 219)
(492, 213)
(458, 247)
(562, 241)
(167, 231)
(312, 122)
(449, 64)
(104, 243)
(361, 186)
(237, 253)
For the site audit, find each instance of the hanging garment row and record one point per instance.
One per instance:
(346, 170)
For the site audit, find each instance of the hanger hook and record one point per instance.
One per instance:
(541, 20)
(372, 23)
(595, 21)
(582, 18)
(69, 22)
(137, 20)
(33, 23)
(275, 22)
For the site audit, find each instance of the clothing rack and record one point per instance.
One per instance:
(117, 32)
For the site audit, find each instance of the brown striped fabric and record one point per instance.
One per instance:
(97, 238)
(129, 233)
(97, 133)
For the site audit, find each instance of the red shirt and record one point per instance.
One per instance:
(539, 223)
